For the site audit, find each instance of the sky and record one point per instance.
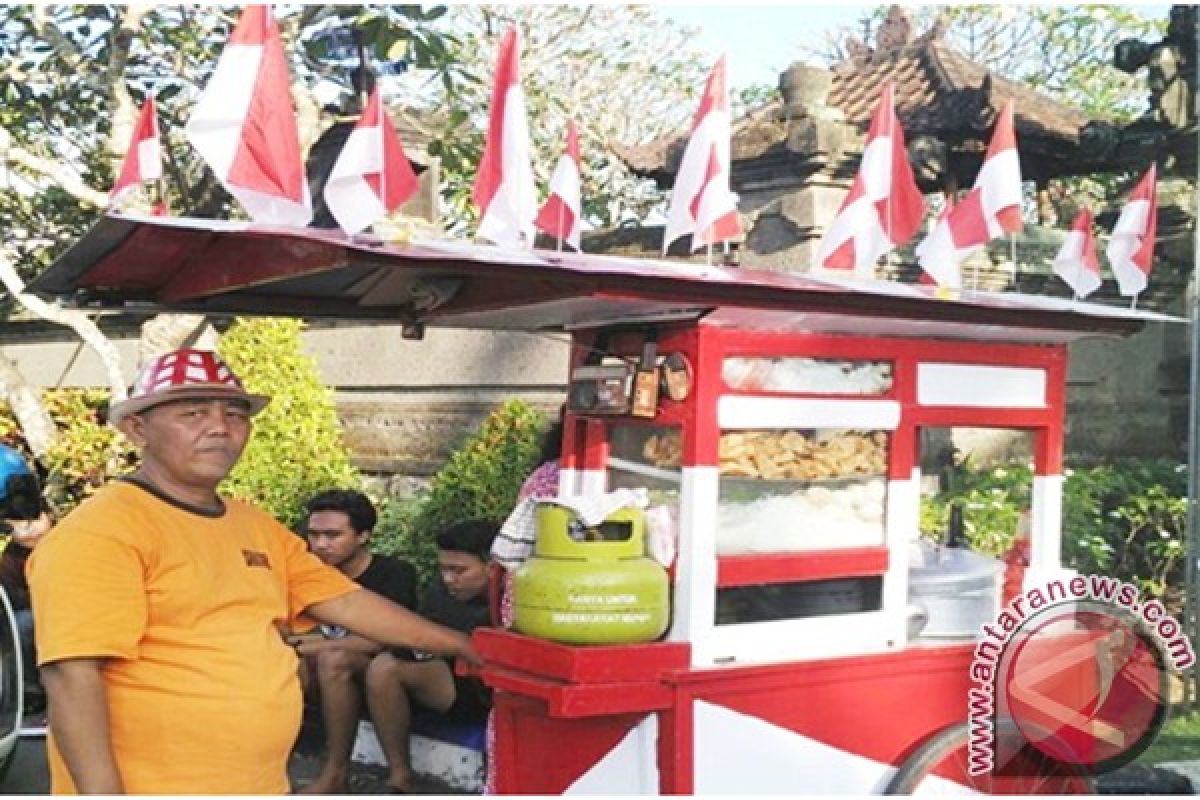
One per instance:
(763, 40)
(760, 40)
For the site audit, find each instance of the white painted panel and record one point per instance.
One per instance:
(980, 386)
(736, 412)
(629, 768)
(1046, 523)
(903, 528)
(568, 482)
(802, 639)
(592, 481)
(736, 754)
(693, 608)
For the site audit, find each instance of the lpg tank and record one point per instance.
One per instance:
(590, 585)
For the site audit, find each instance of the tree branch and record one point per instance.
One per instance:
(78, 321)
(120, 103)
(57, 172)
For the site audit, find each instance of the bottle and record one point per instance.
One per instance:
(956, 532)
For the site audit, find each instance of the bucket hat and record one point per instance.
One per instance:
(184, 375)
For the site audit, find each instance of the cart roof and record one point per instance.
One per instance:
(220, 267)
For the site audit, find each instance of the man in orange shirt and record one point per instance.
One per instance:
(158, 605)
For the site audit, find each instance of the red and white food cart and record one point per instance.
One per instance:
(791, 458)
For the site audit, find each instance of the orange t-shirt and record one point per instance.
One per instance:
(202, 691)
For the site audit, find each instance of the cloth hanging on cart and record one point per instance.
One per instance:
(514, 543)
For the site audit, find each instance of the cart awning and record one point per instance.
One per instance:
(220, 267)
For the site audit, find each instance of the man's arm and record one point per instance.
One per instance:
(79, 721)
(381, 620)
(351, 641)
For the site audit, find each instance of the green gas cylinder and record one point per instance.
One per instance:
(590, 585)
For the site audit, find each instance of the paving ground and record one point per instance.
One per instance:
(306, 762)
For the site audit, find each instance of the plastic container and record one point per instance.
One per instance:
(958, 589)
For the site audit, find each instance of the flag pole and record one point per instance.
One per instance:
(1012, 254)
(561, 220)
(383, 167)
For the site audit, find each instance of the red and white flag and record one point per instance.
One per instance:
(372, 176)
(884, 207)
(504, 190)
(1131, 246)
(944, 268)
(143, 162)
(1076, 262)
(701, 202)
(991, 209)
(244, 124)
(561, 214)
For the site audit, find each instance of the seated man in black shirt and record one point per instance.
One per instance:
(460, 601)
(338, 529)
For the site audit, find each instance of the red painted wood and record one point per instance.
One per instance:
(570, 700)
(537, 754)
(630, 663)
(676, 748)
(248, 264)
(751, 570)
(701, 439)
(595, 449)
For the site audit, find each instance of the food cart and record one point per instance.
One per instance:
(785, 438)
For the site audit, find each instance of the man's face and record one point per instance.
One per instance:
(191, 443)
(464, 574)
(332, 537)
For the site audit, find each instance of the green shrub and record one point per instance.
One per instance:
(480, 481)
(992, 499)
(1127, 519)
(297, 448)
(395, 534)
(86, 453)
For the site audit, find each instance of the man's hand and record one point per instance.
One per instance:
(468, 654)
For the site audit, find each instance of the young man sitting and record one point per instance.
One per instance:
(338, 528)
(459, 601)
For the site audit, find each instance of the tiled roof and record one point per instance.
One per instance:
(939, 91)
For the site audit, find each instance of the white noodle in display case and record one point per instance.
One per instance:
(807, 375)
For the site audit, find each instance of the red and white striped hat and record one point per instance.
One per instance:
(181, 375)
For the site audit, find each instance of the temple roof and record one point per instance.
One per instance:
(940, 95)
(939, 91)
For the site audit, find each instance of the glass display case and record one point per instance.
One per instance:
(797, 490)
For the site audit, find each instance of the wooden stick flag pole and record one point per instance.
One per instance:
(561, 222)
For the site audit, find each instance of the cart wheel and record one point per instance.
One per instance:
(944, 755)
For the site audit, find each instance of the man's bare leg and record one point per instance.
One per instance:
(392, 686)
(341, 700)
